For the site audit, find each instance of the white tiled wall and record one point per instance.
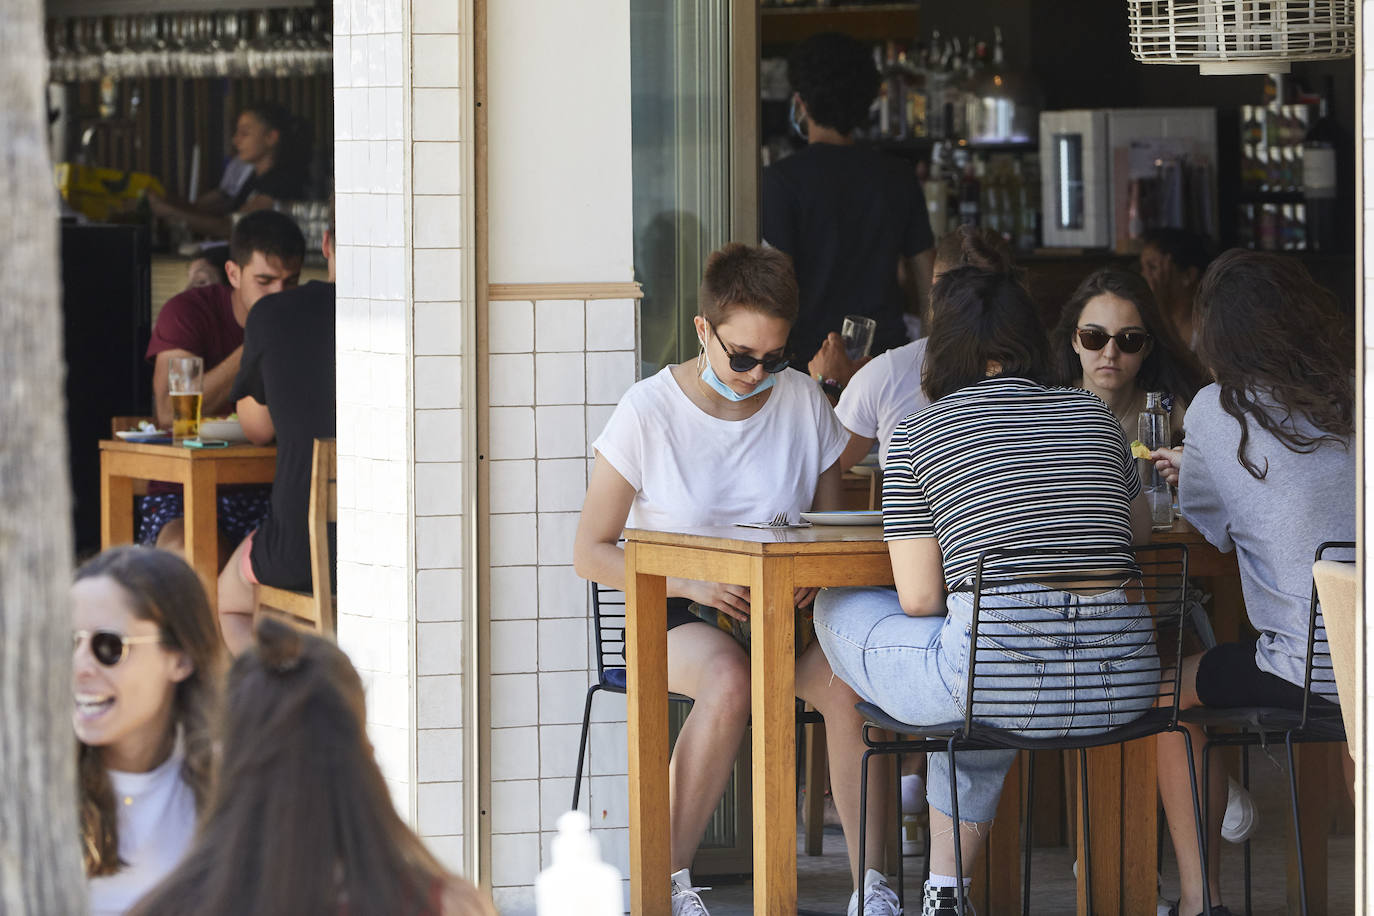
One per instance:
(554, 366)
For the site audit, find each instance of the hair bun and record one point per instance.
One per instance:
(280, 645)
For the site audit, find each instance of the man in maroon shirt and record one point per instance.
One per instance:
(265, 254)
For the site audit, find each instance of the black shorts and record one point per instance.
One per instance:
(679, 612)
(1227, 676)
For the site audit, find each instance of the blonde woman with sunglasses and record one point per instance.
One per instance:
(1112, 340)
(146, 662)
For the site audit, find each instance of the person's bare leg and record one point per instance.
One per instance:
(705, 664)
(972, 838)
(1175, 791)
(835, 700)
(172, 537)
(236, 602)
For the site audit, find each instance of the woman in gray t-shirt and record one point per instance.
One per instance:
(1268, 470)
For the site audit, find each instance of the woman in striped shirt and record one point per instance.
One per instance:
(998, 460)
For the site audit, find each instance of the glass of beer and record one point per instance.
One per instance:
(185, 377)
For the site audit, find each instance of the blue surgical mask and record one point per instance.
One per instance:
(708, 375)
(797, 119)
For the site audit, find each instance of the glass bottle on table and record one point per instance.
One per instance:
(1154, 433)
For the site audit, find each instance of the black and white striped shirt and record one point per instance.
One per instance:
(1008, 463)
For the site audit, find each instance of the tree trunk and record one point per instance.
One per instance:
(40, 850)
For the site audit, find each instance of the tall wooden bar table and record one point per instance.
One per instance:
(772, 562)
(199, 471)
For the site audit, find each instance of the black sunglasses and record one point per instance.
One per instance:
(109, 647)
(742, 362)
(1126, 341)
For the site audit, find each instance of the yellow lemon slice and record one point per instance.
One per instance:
(1139, 450)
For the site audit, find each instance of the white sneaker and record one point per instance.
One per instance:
(1164, 907)
(879, 899)
(687, 899)
(1241, 818)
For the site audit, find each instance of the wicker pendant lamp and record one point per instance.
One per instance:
(1241, 36)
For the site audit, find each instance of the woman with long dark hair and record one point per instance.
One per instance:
(301, 821)
(1267, 470)
(146, 661)
(1112, 340)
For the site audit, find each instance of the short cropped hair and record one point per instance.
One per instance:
(757, 278)
(1186, 249)
(274, 234)
(978, 317)
(835, 76)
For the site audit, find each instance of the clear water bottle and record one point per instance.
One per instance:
(1154, 433)
(578, 883)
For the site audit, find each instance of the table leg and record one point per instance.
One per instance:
(1139, 826)
(997, 874)
(774, 725)
(200, 505)
(116, 507)
(646, 670)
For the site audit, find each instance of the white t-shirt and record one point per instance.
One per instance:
(691, 469)
(157, 820)
(884, 393)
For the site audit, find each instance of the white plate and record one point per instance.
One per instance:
(134, 435)
(228, 430)
(864, 517)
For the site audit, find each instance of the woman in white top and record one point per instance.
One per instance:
(728, 437)
(146, 661)
(887, 390)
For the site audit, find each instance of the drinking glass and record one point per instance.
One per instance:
(185, 377)
(857, 332)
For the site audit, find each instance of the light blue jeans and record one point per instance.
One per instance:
(916, 670)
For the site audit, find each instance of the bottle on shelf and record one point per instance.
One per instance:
(1319, 175)
(1154, 433)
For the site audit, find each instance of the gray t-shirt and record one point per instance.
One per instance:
(1274, 524)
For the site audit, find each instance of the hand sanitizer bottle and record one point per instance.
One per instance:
(578, 883)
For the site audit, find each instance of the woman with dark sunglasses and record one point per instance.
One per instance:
(146, 662)
(723, 438)
(1112, 340)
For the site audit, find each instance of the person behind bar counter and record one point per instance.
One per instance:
(853, 220)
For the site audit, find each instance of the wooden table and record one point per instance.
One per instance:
(772, 563)
(199, 471)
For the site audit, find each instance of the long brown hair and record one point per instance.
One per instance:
(981, 317)
(1168, 367)
(1274, 338)
(302, 821)
(160, 587)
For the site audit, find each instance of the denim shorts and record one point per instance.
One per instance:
(915, 668)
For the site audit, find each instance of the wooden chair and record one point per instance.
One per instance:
(314, 609)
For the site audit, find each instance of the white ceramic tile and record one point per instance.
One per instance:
(515, 806)
(514, 753)
(438, 221)
(439, 754)
(611, 324)
(376, 15)
(393, 16)
(609, 375)
(562, 644)
(438, 328)
(513, 646)
(376, 60)
(440, 807)
(562, 593)
(562, 484)
(439, 648)
(388, 382)
(438, 274)
(357, 75)
(514, 700)
(615, 849)
(394, 128)
(433, 16)
(510, 326)
(511, 379)
(512, 486)
(512, 540)
(514, 860)
(439, 594)
(560, 432)
(515, 901)
(514, 593)
(448, 850)
(561, 695)
(438, 488)
(393, 60)
(377, 105)
(364, 644)
(609, 742)
(395, 176)
(391, 747)
(608, 799)
(558, 752)
(556, 533)
(387, 327)
(555, 794)
(512, 432)
(389, 540)
(434, 60)
(438, 168)
(436, 114)
(558, 325)
(558, 378)
(439, 701)
(388, 699)
(438, 435)
(358, 16)
(438, 382)
(390, 588)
